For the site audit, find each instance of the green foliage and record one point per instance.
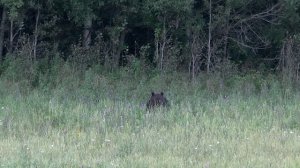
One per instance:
(79, 10)
(165, 6)
(21, 69)
(292, 16)
(13, 6)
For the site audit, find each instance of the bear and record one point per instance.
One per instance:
(157, 100)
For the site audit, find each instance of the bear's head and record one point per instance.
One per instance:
(156, 100)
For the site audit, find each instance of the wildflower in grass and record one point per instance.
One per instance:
(107, 140)
(2, 108)
(291, 132)
(218, 142)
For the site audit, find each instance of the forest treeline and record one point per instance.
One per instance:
(194, 36)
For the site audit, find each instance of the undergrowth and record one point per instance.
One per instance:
(63, 117)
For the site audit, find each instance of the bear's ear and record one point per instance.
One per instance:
(152, 93)
(162, 93)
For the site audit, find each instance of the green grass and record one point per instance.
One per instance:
(101, 122)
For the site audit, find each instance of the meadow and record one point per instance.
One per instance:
(99, 120)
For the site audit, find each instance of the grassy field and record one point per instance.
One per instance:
(100, 121)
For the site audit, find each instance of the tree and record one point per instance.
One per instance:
(2, 27)
(10, 8)
(83, 13)
(238, 25)
(289, 60)
(166, 17)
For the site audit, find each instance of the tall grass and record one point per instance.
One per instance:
(97, 119)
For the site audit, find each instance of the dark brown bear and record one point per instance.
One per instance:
(157, 100)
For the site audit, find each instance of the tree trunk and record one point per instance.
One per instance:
(119, 47)
(2, 27)
(226, 34)
(163, 45)
(87, 32)
(11, 37)
(191, 45)
(122, 43)
(36, 33)
(209, 41)
(194, 53)
(156, 50)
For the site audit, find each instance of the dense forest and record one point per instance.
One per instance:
(191, 36)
